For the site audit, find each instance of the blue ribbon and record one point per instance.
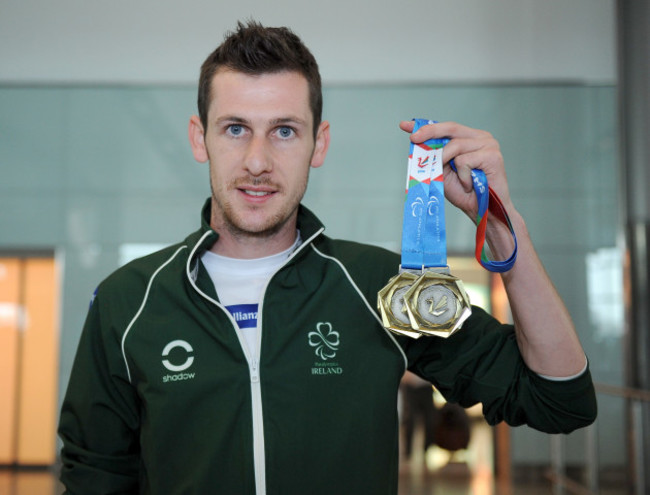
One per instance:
(424, 240)
(424, 237)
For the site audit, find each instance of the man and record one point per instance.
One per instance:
(249, 358)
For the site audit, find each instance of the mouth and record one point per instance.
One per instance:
(256, 193)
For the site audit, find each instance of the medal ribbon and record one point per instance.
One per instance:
(424, 237)
(424, 241)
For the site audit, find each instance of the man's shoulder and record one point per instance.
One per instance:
(134, 276)
(353, 251)
(372, 263)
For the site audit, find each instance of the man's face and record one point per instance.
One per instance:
(260, 144)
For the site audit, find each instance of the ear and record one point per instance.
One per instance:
(196, 135)
(322, 144)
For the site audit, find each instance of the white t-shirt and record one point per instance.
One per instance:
(239, 284)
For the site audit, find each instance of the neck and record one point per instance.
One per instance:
(251, 246)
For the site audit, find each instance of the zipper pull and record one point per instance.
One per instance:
(255, 372)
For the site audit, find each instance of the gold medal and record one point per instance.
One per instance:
(437, 304)
(393, 307)
(424, 299)
(432, 304)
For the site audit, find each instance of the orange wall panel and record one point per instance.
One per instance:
(39, 365)
(9, 327)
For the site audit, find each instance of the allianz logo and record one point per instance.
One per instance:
(178, 369)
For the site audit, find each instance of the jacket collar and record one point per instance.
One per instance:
(309, 225)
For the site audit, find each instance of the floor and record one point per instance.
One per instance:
(471, 472)
(465, 472)
(29, 482)
(456, 481)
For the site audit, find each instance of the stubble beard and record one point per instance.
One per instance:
(225, 216)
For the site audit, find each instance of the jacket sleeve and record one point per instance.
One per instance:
(482, 363)
(99, 417)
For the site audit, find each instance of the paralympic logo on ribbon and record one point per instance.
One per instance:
(433, 206)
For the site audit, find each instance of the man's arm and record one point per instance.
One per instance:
(99, 417)
(545, 333)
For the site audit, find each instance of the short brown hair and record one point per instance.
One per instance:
(254, 49)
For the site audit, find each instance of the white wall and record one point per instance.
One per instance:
(164, 41)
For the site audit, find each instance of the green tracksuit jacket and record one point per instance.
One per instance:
(164, 400)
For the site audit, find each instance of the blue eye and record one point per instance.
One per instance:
(285, 132)
(235, 130)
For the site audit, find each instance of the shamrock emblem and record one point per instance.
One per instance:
(325, 340)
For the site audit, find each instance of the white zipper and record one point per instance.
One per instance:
(259, 462)
(259, 456)
(259, 453)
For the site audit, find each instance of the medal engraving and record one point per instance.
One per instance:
(398, 306)
(437, 304)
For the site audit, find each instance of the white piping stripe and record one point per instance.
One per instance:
(144, 301)
(306, 242)
(363, 298)
(188, 273)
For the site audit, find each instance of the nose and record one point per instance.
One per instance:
(257, 160)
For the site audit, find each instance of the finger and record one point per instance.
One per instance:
(440, 130)
(407, 125)
(464, 174)
(420, 135)
(461, 146)
(490, 161)
(451, 130)
(487, 160)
